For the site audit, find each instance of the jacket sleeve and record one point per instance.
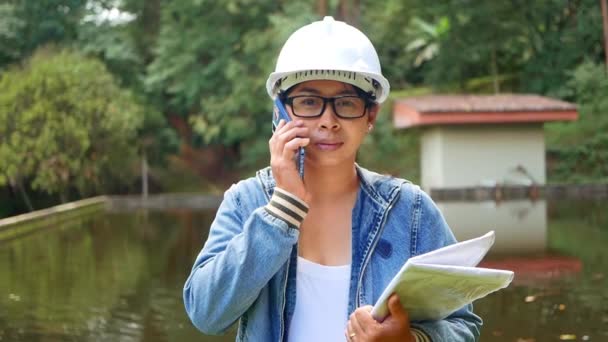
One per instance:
(462, 325)
(245, 249)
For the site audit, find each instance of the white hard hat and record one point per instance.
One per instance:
(329, 50)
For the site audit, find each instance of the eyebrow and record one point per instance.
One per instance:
(316, 92)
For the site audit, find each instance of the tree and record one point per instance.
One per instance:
(604, 7)
(127, 48)
(484, 38)
(426, 45)
(10, 26)
(578, 151)
(209, 70)
(560, 35)
(26, 25)
(65, 124)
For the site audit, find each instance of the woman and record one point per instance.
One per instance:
(295, 259)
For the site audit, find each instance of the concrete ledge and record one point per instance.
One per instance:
(15, 226)
(498, 193)
(164, 201)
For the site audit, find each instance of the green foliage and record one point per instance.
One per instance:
(390, 151)
(243, 108)
(581, 147)
(388, 27)
(10, 26)
(211, 64)
(113, 45)
(25, 25)
(582, 163)
(196, 42)
(65, 124)
(484, 39)
(126, 49)
(427, 42)
(540, 41)
(561, 35)
(202, 65)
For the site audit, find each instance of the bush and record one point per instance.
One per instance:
(66, 125)
(580, 149)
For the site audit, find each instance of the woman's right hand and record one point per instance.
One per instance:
(284, 144)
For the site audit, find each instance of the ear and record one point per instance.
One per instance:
(373, 113)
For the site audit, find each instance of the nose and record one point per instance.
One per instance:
(329, 119)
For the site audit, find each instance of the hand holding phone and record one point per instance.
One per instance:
(279, 112)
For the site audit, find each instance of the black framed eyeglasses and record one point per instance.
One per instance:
(311, 106)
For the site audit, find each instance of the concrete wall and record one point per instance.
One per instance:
(188, 201)
(15, 226)
(464, 156)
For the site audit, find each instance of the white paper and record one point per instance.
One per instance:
(433, 285)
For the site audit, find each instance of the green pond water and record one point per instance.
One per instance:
(119, 276)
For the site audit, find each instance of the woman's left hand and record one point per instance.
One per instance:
(362, 327)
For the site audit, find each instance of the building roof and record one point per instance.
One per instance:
(480, 109)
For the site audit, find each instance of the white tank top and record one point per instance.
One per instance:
(321, 302)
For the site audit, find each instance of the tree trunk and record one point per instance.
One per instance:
(342, 10)
(147, 26)
(355, 13)
(604, 4)
(322, 8)
(19, 186)
(144, 175)
(63, 197)
(349, 11)
(495, 72)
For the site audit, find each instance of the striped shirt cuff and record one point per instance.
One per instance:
(419, 335)
(287, 207)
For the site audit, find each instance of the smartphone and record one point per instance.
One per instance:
(279, 112)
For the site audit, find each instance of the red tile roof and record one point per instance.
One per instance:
(479, 109)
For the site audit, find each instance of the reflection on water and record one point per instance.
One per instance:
(118, 277)
(558, 252)
(520, 226)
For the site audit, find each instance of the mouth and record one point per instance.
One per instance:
(328, 145)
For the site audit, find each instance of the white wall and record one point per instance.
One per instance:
(431, 162)
(463, 156)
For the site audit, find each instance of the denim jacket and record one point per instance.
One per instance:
(246, 269)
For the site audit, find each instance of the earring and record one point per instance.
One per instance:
(370, 127)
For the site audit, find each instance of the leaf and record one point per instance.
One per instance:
(416, 44)
(424, 26)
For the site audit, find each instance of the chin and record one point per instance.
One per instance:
(330, 161)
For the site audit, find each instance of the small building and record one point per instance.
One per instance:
(481, 140)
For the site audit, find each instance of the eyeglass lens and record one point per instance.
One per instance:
(344, 106)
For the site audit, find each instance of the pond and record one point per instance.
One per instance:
(119, 276)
